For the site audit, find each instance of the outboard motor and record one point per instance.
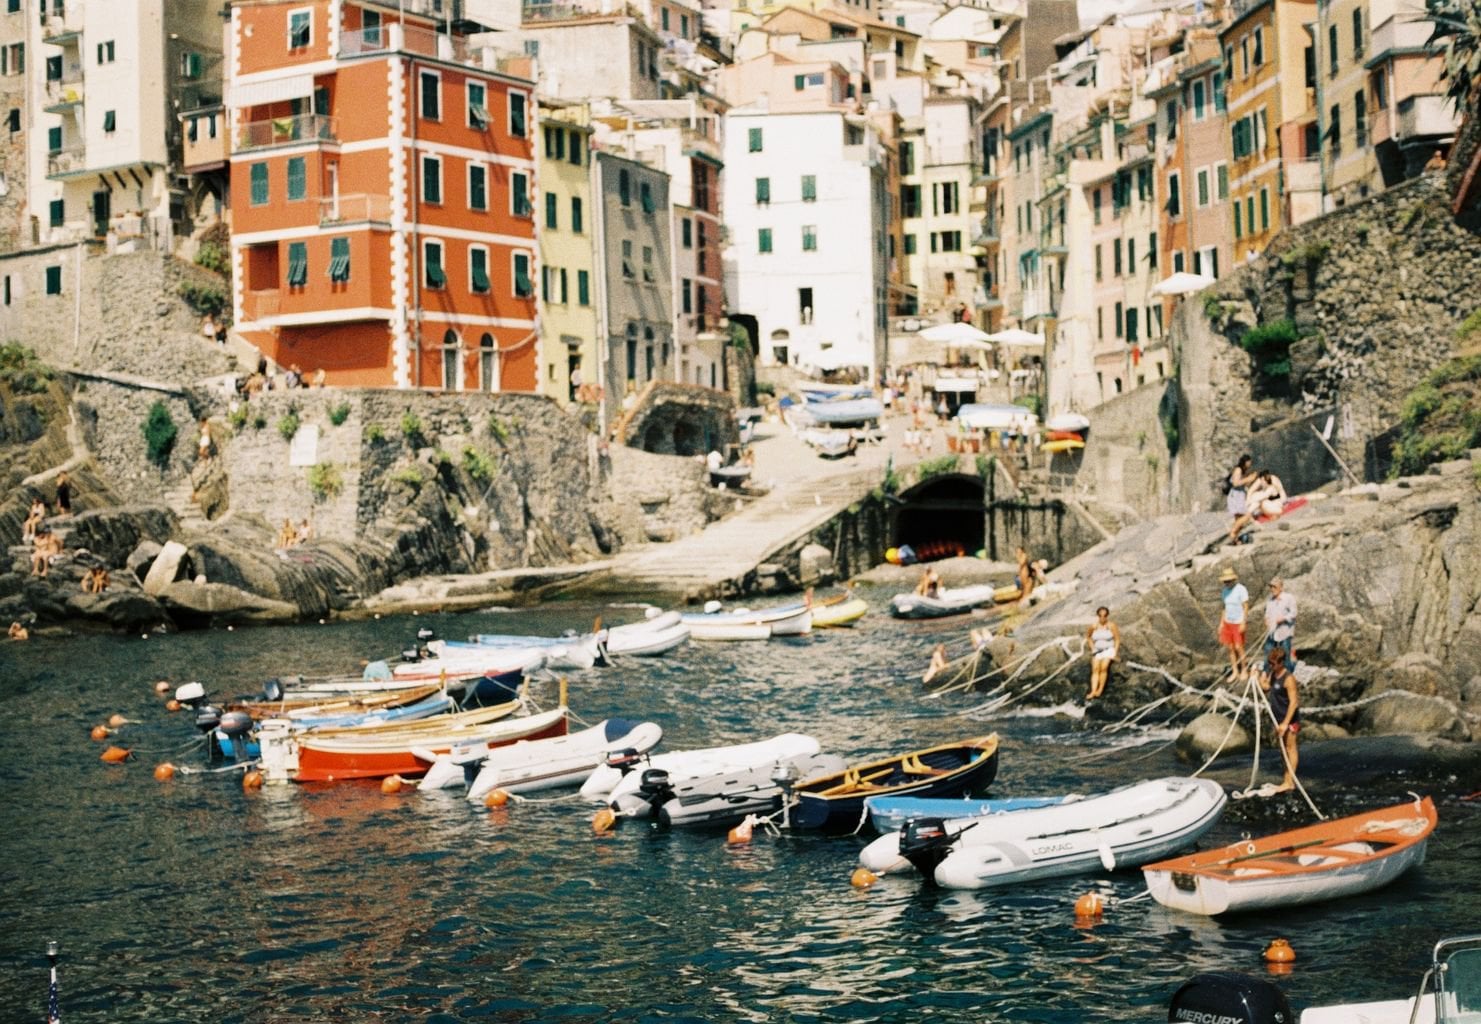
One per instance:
(410, 655)
(1225, 997)
(602, 659)
(234, 728)
(785, 775)
(925, 843)
(650, 795)
(424, 634)
(207, 718)
(624, 760)
(272, 690)
(190, 694)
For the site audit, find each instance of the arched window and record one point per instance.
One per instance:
(488, 363)
(452, 362)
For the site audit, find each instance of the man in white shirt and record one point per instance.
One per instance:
(1280, 620)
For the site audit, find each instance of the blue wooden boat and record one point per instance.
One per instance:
(836, 801)
(888, 813)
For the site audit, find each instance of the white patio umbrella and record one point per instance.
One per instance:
(1015, 336)
(956, 333)
(1182, 283)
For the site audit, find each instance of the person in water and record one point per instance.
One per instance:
(1105, 640)
(1278, 683)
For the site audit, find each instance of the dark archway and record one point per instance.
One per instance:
(689, 438)
(941, 516)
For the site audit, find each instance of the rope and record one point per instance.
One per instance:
(242, 766)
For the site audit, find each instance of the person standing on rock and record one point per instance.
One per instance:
(1280, 620)
(1236, 489)
(64, 494)
(1236, 613)
(1278, 683)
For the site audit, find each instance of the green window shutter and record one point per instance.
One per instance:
(478, 260)
(753, 138)
(58, 213)
(339, 259)
(54, 141)
(298, 264)
(1264, 210)
(551, 215)
(478, 188)
(110, 120)
(522, 286)
(809, 188)
(519, 188)
(645, 192)
(763, 190)
(576, 224)
(1238, 227)
(763, 240)
(298, 185)
(432, 258)
(517, 114)
(583, 287)
(799, 82)
(259, 185)
(431, 181)
(53, 280)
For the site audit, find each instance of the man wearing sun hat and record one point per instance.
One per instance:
(1236, 613)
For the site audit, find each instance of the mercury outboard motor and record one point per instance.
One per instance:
(925, 843)
(1225, 997)
(190, 694)
(624, 760)
(424, 634)
(652, 793)
(234, 728)
(411, 654)
(786, 776)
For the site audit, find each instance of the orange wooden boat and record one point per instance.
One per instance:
(1320, 862)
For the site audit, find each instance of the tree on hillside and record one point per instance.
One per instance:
(1457, 34)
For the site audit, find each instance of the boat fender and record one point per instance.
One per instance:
(1279, 952)
(1089, 907)
(1226, 997)
(236, 723)
(272, 690)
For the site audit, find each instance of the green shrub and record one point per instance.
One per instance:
(339, 413)
(411, 429)
(1469, 326)
(1309, 255)
(259, 421)
(237, 417)
(288, 424)
(498, 430)
(159, 434)
(442, 458)
(1441, 418)
(1029, 402)
(214, 252)
(375, 433)
(985, 465)
(204, 298)
(325, 481)
(891, 482)
(1278, 334)
(477, 465)
(411, 476)
(20, 369)
(1167, 418)
(1213, 307)
(765, 387)
(936, 467)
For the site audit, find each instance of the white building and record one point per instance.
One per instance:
(807, 211)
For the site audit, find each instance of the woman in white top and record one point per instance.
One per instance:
(1105, 641)
(1267, 497)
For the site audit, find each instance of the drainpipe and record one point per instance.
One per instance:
(1321, 110)
(414, 191)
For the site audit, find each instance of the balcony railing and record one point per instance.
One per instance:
(1399, 33)
(1304, 175)
(1425, 116)
(354, 209)
(866, 152)
(1037, 303)
(62, 26)
(204, 150)
(64, 92)
(946, 154)
(260, 305)
(284, 131)
(71, 160)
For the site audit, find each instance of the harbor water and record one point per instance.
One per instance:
(192, 900)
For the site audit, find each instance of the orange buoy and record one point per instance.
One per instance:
(862, 878)
(1090, 906)
(117, 722)
(741, 834)
(101, 732)
(1279, 952)
(163, 686)
(252, 780)
(164, 772)
(496, 798)
(116, 755)
(172, 704)
(392, 784)
(603, 821)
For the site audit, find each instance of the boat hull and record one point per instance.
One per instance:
(531, 766)
(951, 602)
(836, 802)
(648, 645)
(606, 783)
(721, 801)
(845, 613)
(888, 813)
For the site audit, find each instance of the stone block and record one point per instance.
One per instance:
(1211, 732)
(165, 568)
(814, 564)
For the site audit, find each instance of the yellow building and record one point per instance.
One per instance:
(569, 355)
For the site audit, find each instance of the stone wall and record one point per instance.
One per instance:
(111, 414)
(680, 419)
(664, 497)
(129, 318)
(1126, 461)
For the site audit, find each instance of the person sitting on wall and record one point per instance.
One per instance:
(19, 632)
(930, 583)
(33, 521)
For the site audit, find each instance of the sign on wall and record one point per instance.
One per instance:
(303, 450)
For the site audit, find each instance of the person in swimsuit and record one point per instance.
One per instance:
(1236, 611)
(930, 583)
(1266, 497)
(1279, 685)
(1025, 578)
(1240, 478)
(1105, 640)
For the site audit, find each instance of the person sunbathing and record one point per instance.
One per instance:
(1266, 498)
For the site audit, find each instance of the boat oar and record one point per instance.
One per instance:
(1270, 853)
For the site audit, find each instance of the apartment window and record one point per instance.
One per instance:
(300, 28)
(576, 223)
(532, 48)
(763, 191)
(946, 194)
(583, 288)
(478, 270)
(1131, 325)
(370, 28)
(684, 26)
(909, 201)
(686, 294)
(565, 289)
(1357, 32)
(753, 139)
(1249, 213)
(552, 215)
(11, 7)
(519, 194)
(624, 187)
(1221, 102)
(1116, 257)
(478, 187)
(110, 121)
(1174, 195)
(809, 188)
(1099, 264)
(1100, 322)
(431, 86)
(627, 260)
(645, 197)
(1152, 250)
(632, 351)
(1096, 204)
(1201, 177)
(910, 245)
(555, 143)
(524, 287)
(1206, 261)
(298, 179)
(907, 158)
(54, 69)
(1259, 56)
(7, 281)
(1334, 129)
(1360, 118)
(478, 106)
(433, 276)
(1131, 255)
(1144, 184)
(339, 259)
(192, 65)
(106, 52)
(298, 264)
(13, 120)
(809, 238)
(1177, 262)
(664, 18)
(1221, 176)
(1238, 225)
(1200, 99)
(648, 264)
(1380, 90)
(54, 143)
(1264, 209)
(13, 59)
(573, 151)
(1120, 323)
(58, 213)
(258, 176)
(517, 114)
(53, 280)
(951, 241)
(1332, 51)
(431, 179)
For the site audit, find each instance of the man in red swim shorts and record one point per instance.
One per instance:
(1236, 613)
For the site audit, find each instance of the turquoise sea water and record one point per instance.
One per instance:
(192, 900)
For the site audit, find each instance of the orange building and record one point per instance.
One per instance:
(382, 197)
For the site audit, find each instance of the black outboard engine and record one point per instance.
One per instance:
(424, 634)
(411, 654)
(207, 718)
(652, 793)
(236, 726)
(925, 843)
(272, 690)
(1225, 997)
(624, 760)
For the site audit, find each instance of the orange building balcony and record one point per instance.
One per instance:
(286, 131)
(354, 209)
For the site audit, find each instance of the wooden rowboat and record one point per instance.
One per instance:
(1306, 865)
(837, 800)
(840, 611)
(348, 704)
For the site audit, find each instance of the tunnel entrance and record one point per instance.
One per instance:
(941, 517)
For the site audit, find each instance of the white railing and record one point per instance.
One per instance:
(66, 161)
(1426, 115)
(284, 131)
(354, 209)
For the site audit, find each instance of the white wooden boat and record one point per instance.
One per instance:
(648, 643)
(562, 654)
(782, 620)
(492, 661)
(729, 631)
(1126, 827)
(948, 602)
(607, 782)
(1324, 861)
(532, 765)
(719, 801)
